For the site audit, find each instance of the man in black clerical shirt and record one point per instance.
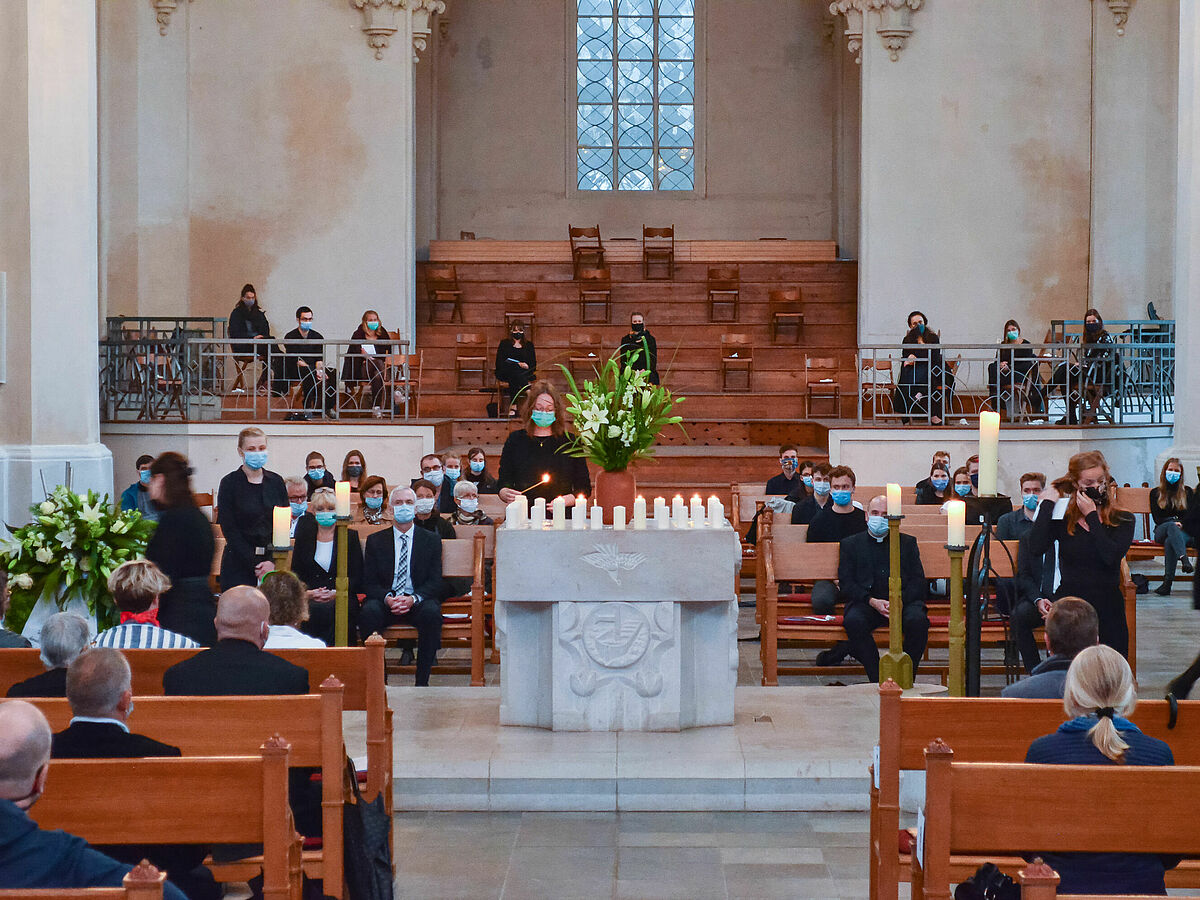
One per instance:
(837, 519)
(318, 383)
(638, 349)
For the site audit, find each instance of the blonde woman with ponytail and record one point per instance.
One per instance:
(1099, 696)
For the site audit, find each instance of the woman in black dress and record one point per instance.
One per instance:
(1093, 537)
(921, 388)
(247, 320)
(245, 501)
(354, 469)
(536, 450)
(477, 472)
(366, 358)
(935, 490)
(314, 560)
(516, 361)
(182, 546)
(1013, 376)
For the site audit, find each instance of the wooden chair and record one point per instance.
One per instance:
(144, 882)
(471, 360)
(595, 291)
(878, 383)
(737, 355)
(658, 249)
(190, 800)
(825, 386)
(441, 286)
(462, 617)
(520, 305)
(404, 379)
(587, 249)
(785, 310)
(585, 353)
(724, 289)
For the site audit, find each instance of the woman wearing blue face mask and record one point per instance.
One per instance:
(1013, 378)
(372, 508)
(533, 461)
(314, 560)
(137, 496)
(245, 503)
(935, 490)
(370, 345)
(923, 378)
(467, 511)
(1169, 505)
(315, 473)
(476, 471)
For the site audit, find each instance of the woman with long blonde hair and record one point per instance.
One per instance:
(1093, 535)
(1098, 697)
(1169, 505)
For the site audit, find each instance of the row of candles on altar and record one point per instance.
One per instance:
(522, 514)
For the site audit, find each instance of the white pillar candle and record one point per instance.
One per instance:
(721, 513)
(715, 515)
(281, 527)
(341, 499)
(697, 511)
(579, 513)
(514, 516)
(956, 528)
(618, 518)
(597, 517)
(679, 516)
(523, 505)
(989, 452)
(559, 514)
(662, 518)
(639, 514)
(537, 516)
(893, 499)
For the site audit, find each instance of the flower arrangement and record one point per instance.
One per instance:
(69, 549)
(618, 416)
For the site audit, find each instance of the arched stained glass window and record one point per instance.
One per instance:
(636, 95)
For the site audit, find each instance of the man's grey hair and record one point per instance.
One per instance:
(398, 490)
(294, 481)
(96, 680)
(465, 487)
(64, 636)
(24, 747)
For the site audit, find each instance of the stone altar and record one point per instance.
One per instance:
(617, 630)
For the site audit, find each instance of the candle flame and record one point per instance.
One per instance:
(545, 477)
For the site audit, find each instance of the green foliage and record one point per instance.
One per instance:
(69, 549)
(618, 415)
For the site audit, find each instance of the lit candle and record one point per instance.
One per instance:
(639, 514)
(989, 452)
(956, 528)
(893, 499)
(618, 518)
(697, 511)
(514, 516)
(597, 517)
(662, 518)
(523, 505)
(537, 516)
(559, 516)
(679, 516)
(716, 516)
(281, 530)
(579, 513)
(341, 499)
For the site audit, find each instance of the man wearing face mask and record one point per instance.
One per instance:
(297, 494)
(639, 350)
(863, 570)
(807, 508)
(137, 495)
(841, 517)
(784, 490)
(516, 362)
(433, 472)
(318, 384)
(1027, 594)
(402, 577)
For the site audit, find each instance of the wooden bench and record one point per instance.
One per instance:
(192, 800)
(972, 808)
(144, 882)
(983, 729)
(237, 725)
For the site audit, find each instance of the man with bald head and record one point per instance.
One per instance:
(30, 857)
(237, 665)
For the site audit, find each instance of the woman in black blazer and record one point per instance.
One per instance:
(365, 358)
(245, 501)
(314, 560)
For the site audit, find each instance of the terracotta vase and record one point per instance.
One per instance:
(614, 489)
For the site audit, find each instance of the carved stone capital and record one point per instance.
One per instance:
(162, 13)
(852, 11)
(895, 23)
(422, 11)
(379, 21)
(1120, 11)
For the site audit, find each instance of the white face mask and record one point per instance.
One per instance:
(424, 505)
(469, 504)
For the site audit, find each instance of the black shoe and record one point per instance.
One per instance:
(1173, 715)
(1188, 568)
(406, 657)
(831, 657)
(1164, 589)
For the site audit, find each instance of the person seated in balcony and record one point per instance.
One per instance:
(136, 497)
(365, 360)
(306, 365)
(1170, 502)
(248, 320)
(478, 473)
(1084, 381)
(1013, 377)
(935, 490)
(516, 362)
(639, 349)
(923, 382)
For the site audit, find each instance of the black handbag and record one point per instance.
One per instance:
(988, 883)
(367, 827)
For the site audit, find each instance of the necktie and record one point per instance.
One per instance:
(401, 581)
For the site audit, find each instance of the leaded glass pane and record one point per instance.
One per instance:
(595, 8)
(635, 7)
(595, 170)
(676, 7)
(675, 81)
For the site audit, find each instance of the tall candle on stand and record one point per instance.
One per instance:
(989, 452)
(618, 518)
(579, 513)
(893, 499)
(597, 517)
(956, 528)
(639, 514)
(559, 518)
(341, 499)
(281, 527)
(662, 518)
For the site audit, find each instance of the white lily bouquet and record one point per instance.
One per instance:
(68, 551)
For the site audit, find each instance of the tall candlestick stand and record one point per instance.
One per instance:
(341, 600)
(895, 663)
(280, 555)
(958, 625)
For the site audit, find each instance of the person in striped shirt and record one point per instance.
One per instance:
(136, 587)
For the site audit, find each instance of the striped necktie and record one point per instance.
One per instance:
(401, 583)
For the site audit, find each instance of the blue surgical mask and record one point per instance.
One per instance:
(453, 474)
(144, 476)
(404, 512)
(1171, 475)
(807, 479)
(1030, 501)
(305, 326)
(962, 489)
(542, 418)
(841, 498)
(373, 502)
(1012, 335)
(317, 474)
(325, 518)
(477, 466)
(373, 326)
(298, 509)
(424, 506)
(920, 328)
(939, 484)
(469, 504)
(255, 459)
(435, 477)
(820, 488)
(975, 480)
(877, 525)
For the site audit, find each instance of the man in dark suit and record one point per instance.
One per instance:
(100, 692)
(863, 569)
(63, 636)
(402, 576)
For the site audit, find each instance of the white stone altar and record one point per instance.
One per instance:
(617, 630)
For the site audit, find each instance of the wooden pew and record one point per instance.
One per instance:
(359, 669)
(192, 800)
(144, 882)
(1040, 882)
(237, 725)
(971, 807)
(984, 729)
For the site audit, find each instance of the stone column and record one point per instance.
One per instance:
(49, 401)
(1186, 443)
